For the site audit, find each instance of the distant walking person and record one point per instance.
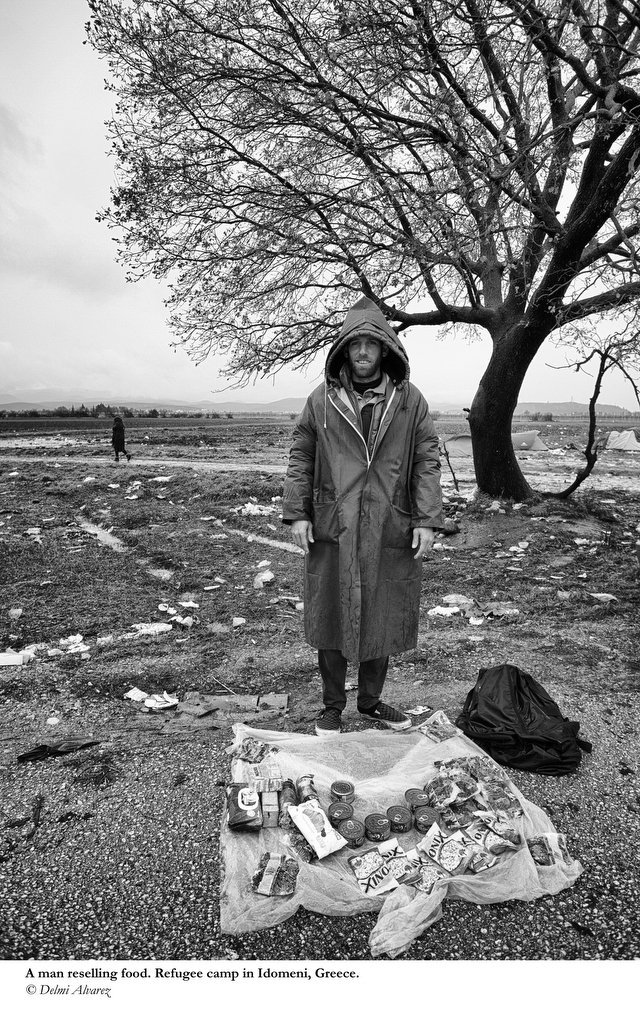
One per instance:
(117, 438)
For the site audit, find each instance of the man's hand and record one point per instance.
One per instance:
(302, 532)
(423, 537)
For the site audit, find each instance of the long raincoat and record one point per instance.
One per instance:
(362, 583)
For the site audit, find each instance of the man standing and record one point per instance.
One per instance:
(362, 495)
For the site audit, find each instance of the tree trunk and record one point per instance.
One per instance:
(497, 470)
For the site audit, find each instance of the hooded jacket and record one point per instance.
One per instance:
(362, 583)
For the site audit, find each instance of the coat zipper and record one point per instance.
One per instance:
(353, 426)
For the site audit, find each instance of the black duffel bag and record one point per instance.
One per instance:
(514, 719)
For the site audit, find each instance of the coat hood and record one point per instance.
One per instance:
(366, 318)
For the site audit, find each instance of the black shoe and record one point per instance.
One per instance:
(387, 716)
(328, 722)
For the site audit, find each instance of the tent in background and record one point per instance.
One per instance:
(525, 441)
(623, 441)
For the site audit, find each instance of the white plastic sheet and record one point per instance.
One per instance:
(381, 765)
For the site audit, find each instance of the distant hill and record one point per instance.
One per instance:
(283, 405)
(569, 409)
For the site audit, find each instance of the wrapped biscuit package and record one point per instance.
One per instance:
(316, 828)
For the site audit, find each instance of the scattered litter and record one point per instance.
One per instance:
(35, 533)
(299, 606)
(15, 613)
(188, 604)
(218, 536)
(167, 608)
(164, 702)
(219, 579)
(113, 486)
(458, 599)
(160, 479)
(11, 657)
(238, 621)
(213, 586)
(420, 709)
(253, 509)
(184, 620)
(151, 628)
(73, 644)
(136, 694)
(53, 721)
(605, 598)
(444, 610)
(67, 746)
(581, 541)
(563, 595)
(263, 579)
(263, 564)
(102, 641)
(89, 480)
(476, 620)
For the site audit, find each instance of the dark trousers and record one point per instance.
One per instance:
(333, 669)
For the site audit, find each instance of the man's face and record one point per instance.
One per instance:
(365, 356)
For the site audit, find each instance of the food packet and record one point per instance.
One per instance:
(479, 858)
(495, 844)
(428, 875)
(439, 728)
(441, 791)
(315, 827)
(372, 872)
(276, 875)
(265, 777)
(549, 848)
(447, 851)
(299, 845)
(498, 796)
(484, 769)
(502, 827)
(286, 797)
(459, 814)
(401, 866)
(253, 750)
(243, 807)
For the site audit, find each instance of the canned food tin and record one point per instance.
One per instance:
(377, 828)
(400, 818)
(424, 818)
(353, 831)
(339, 811)
(416, 798)
(306, 789)
(343, 790)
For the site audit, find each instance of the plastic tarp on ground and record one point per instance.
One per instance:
(525, 441)
(381, 765)
(623, 441)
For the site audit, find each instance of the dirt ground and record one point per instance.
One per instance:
(92, 552)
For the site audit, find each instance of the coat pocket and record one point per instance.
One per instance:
(397, 531)
(325, 522)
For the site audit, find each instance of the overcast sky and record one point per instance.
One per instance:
(69, 320)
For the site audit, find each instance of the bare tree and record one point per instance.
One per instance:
(467, 162)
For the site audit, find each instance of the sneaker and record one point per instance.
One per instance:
(328, 722)
(387, 716)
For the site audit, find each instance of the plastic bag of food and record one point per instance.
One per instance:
(459, 814)
(428, 875)
(439, 728)
(549, 848)
(315, 827)
(501, 826)
(299, 845)
(243, 807)
(441, 791)
(253, 750)
(276, 875)
(498, 796)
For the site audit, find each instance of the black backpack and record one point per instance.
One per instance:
(514, 719)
